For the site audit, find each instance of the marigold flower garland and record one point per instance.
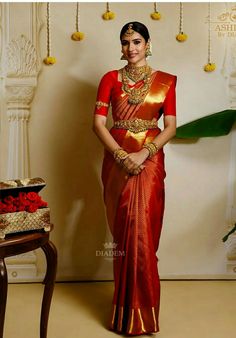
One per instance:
(29, 202)
(210, 66)
(181, 37)
(155, 15)
(77, 35)
(108, 15)
(49, 60)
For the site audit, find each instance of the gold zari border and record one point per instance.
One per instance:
(131, 324)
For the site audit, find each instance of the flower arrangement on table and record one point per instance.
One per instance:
(21, 207)
(29, 202)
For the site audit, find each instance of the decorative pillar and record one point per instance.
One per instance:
(19, 69)
(20, 86)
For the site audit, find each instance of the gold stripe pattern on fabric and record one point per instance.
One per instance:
(132, 321)
(120, 318)
(154, 319)
(141, 319)
(136, 125)
(113, 315)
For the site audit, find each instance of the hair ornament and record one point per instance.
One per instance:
(130, 30)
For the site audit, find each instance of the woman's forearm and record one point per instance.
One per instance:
(167, 133)
(105, 137)
(164, 137)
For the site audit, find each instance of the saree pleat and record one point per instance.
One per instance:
(135, 207)
(135, 218)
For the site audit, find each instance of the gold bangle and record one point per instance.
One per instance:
(119, 155)
(152, 148)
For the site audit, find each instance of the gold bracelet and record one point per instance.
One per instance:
(119, 155)
(152, 148)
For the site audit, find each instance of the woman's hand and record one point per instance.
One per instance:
(133, 164)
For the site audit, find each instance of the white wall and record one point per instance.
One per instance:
(64, 151)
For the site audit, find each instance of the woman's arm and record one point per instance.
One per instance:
(100, 129)
(136, 159)
(167, 133)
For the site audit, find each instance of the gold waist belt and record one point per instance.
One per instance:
(136, 125)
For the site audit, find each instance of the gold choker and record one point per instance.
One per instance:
(136, 73)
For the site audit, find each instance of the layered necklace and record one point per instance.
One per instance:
(134, 73)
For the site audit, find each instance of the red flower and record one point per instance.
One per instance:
(2, 208)
(9, 199)
(10, 208)
(33, 196)
(22, 201)
(43, 204)
(16, 201)
(32, 208)
(29, 202)
(22, 196)
(21, 208)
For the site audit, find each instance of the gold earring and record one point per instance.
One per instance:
(148, 50)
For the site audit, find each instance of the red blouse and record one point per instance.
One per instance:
(110, 89)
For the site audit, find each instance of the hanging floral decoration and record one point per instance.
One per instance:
(155, 15)
(77, 35)
(210, 66)
(108, 15)
(181, 37)
(49, 60)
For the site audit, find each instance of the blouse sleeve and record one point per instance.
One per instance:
(104, 95)
(169, 105)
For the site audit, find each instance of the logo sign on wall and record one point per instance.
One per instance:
(225, 24)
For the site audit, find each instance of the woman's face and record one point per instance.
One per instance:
(134, 48)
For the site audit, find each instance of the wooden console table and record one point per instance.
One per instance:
(20, 243)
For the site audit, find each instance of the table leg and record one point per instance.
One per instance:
(3, 294)
(49, 280)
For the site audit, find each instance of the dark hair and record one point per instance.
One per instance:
(137, 27)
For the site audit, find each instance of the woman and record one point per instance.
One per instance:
(133, 177)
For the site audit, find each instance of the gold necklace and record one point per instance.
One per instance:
(136, 95)
(136, 73)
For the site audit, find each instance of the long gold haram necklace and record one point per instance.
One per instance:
(136, 95)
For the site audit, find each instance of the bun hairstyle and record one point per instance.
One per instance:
(137, 27)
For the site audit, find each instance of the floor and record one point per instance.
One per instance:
(189, 309)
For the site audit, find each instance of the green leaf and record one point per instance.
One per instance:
(217, 124)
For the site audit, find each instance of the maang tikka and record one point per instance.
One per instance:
(130, 30)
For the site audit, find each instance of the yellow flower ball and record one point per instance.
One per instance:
(155, 15)
(108, 15)
(181, 37)
(209, 67)
(77, 36)
(49, 60)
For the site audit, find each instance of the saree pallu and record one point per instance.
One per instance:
(135, 207)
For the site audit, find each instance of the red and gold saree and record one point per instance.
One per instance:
(135, 205)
